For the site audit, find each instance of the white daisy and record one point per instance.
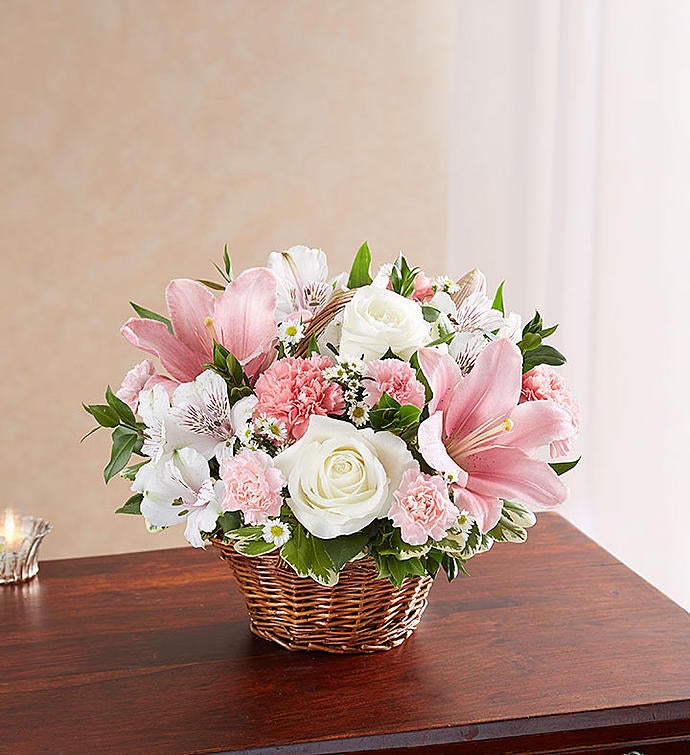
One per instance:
(444, 283)
(358, 414)
(290, 332)
(276, 532)
(271, 428)
(464, 523)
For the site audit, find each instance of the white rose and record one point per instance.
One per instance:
(376, 320)
(340, 478)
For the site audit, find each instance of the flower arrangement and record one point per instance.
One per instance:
(331, 418)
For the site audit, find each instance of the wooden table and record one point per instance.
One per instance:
(551, 646)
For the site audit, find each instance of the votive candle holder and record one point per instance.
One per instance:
(20, 537)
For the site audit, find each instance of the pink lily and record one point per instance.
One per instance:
(479, 435)
(241, 319)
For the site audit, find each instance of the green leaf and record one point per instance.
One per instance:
(445, 337)
(105, 415)
(561, 467)
(417, 367)
(308, 557)
(234, 369)
(131, 472)
(395, 570)
(519, 514)
(431, 314)
(211, 284)
(131, 505)
(548, 331)
(451, 566)
(534, 325)
(498, 299)
(227, 262)
(228, 521)
(250, 532)
(120, 408)
(342, 549)
(529, 342)
(476, 543)
(254, 547)
(511, 527)
(432, 562)
(542, 355)
(124, 441)
(394, 545)
(147, 314)
(91, 432)
(402, 277)
(313, 346)
(390, 415)
(239, 392)
(360, 273)
(220, 356)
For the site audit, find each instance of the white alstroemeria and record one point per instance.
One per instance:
(476, 314)
(511, 328)
(180, 489)
(465, 348)
(163, 434)
(302, 276)
(202, 411)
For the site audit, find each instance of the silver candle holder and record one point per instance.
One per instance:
(20, 537)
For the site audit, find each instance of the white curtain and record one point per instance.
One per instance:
(571, 179)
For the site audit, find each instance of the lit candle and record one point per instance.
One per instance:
(12, 532)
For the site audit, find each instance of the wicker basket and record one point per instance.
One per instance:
(361, 614)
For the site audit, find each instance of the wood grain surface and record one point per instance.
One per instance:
(551, 646)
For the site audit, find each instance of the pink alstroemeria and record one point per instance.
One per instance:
(241, 319)
(478, 434)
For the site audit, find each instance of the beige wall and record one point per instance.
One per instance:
(136, 139)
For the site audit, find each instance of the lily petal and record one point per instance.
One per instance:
(443, 374)
(510, 473)
(490, 392)
(190, 304)
(485, 509)
(430, 440)
(537, 424)
(155, 338)
(244, 319)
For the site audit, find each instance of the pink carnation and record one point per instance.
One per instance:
(423, 289)
(252, 486)
(134, 382)
(395, 378)
(422, 508)
(543, 383)
(294, 389)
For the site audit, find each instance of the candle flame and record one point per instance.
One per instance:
(9, 525)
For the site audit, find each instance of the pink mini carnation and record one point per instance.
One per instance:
(423, 288)
(293, 389)
(252, 486)
(422, 508)
(395, 378)
(543, 383)
(134, 382)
